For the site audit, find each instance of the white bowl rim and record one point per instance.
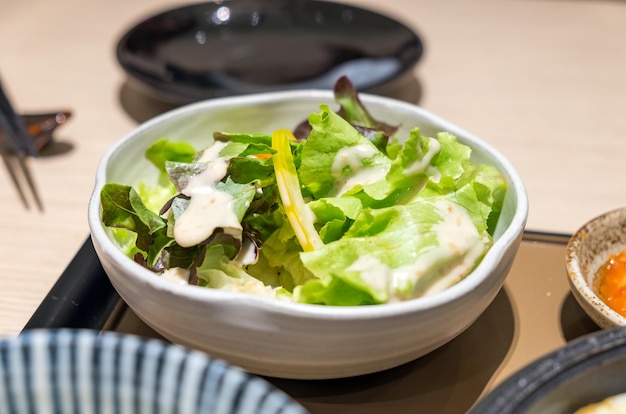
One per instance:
(578, 279)
(469, 283)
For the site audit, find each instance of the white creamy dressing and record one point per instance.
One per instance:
(177, 275)
(209, 208)
(434, 146)
(248, 254)
(458, 239)
(348, 169)
(244, 284)
(373, 272)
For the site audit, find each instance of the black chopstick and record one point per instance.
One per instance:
(15, 128)
(15, 146)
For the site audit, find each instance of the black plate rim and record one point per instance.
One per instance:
(525, 386)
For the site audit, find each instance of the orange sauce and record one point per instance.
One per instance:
(611, 282)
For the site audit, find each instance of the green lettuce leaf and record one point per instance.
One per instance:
(218, 272)
(331, 134)
(394, 253)
(123, 208)
(165, 150)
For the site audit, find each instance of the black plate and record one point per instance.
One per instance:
(233, 47)
(586, 370)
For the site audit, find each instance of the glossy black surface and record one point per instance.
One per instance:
(82, 297)
(232, 47)
(586, 370)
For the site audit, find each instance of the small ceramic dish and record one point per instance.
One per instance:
(41, 126)
(588, 249)
(223, 48)
(85, 371)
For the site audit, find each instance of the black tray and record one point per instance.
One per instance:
(449, 380)
(82, 297)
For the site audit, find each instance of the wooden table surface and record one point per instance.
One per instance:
(544, 81)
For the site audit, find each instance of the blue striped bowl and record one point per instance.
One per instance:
(83, 371)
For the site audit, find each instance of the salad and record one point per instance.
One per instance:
(338, 211)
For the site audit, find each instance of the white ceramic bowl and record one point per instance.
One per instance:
(286, 339)
(69, 371)
(587, 250)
